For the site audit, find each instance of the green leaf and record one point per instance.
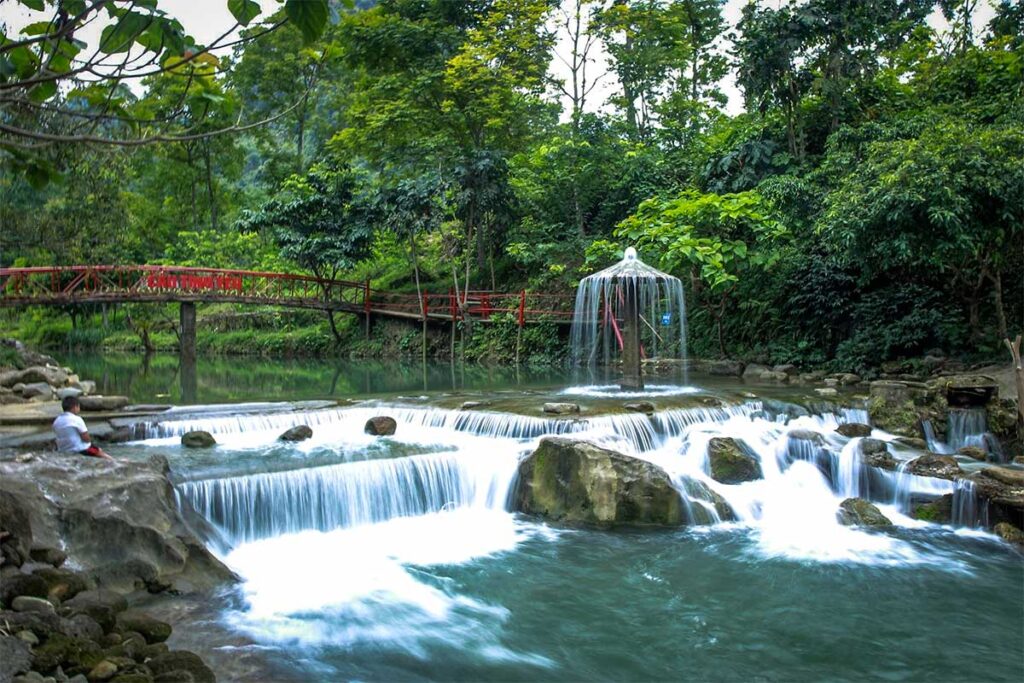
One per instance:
(37, 28)
(43, 91)
(310, 16)
(37, 5)
(244, 11)
(121, 36)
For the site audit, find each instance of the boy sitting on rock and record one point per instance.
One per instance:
(72, 434)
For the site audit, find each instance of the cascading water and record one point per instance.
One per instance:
(629, 310)
(965, 427)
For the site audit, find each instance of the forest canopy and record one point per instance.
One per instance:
(865, 203)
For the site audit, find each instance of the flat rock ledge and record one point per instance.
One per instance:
(61, 624)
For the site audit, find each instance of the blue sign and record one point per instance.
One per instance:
(666, 319)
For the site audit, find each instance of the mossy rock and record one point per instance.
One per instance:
(935, 465)
(73, 655)
(579, 482)
(938, 511)
(1009, 533)
(860, 512)
(729, 463)
(176, 661)
(198, 439)
(854, 429)
(152, 630)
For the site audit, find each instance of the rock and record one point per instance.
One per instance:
(297, 433)
(723, 368)
(51, 556)
(1018, 460)
(859, 512)
(17, 388)
(66, 652)
(729, 464)
(772, 376)
(198, 439)
(68, 391)
(41, 624)
(806, 435)
(15, 657)
(876, 453)
(105, 403)
(561, 408)
(849, 379)
(27, 603)
(754, 370)
(63, 584)
(473, 405)
(380, 426)
(81, 626)
(55, 377)
(114, 513)
(974, 452)
(579, 482)
(153, 630)
(830, 382)
(27, 636)
(786, 369)
(935, 465)
(22, 584)
(1009, 533)
(1005, 475)
(40, 389)
(639, 407)
(8, 378)
(869, 446)
(86, 386)
(967, 391)
(912, 442)
(697, 513)
(103, 671)
(826, 391)
(14, 519)
(854, 429)
(181, 660)
(889, 391)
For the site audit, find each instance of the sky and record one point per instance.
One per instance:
(206, 20)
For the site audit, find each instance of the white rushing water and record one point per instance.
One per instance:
(352, 543)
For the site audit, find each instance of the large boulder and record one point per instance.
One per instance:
(730, 464)
(15, 521)
(561, 408)
(753, 371)
(198, 439)
(579, 482)
(103, 403)
(180, 665)
(935, 465)
(704, 506)
(966, 391)
(1002, 488)
(876, 453)
(297, 433)
(859, 512)
(34, 389)
(722, 368)
(107, 513)
(55, 377)
(380, 426)
(937, 510)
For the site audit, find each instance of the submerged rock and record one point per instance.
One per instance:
(973, 452)
(729, 464)
(935, 465)
(380, 426)
(297, 433)
(702, 501)
(854, 429)
(561, 408)
(806, 435)
(579, 482)
(473, 405)
(198, 439)
(860, 512)
(639, 407)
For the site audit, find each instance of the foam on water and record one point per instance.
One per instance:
(614, 391)
(373, 584)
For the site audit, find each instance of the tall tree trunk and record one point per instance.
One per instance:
(301, 134)
(192, 186)
(997, 290)
(1018, 371)
(209, 186)
(419, 294)
(334, 328)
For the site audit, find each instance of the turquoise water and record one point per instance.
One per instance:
(396, 558)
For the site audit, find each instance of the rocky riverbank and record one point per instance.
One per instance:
(81, 541)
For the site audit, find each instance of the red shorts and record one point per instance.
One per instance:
(91, 450)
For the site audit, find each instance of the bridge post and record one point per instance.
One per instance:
(187, 351)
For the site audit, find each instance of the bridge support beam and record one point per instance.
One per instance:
(187, 351)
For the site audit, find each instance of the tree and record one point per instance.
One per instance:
(55, 89)
(713, 238)
(319, 223)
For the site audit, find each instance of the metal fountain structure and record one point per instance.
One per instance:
(629, 311)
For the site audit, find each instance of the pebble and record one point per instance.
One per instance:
(29, 637)
(26, 603)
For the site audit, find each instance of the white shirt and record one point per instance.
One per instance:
(69, 428)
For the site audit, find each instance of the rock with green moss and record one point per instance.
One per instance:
(854, 429)
(860, 512)
(935, 465)
(704, 506)
(579, 482)
(198, 439)
(729, 463)
(937, 511)
(1009, 533)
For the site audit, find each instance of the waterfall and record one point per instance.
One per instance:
(964, 427)
(259, 506)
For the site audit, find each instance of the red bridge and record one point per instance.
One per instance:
(63, 285)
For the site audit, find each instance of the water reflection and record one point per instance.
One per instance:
(163, 378)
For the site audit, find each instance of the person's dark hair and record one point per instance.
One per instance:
(69, 402)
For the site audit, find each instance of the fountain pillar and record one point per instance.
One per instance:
(632, 374)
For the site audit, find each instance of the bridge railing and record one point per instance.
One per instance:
(81, 284)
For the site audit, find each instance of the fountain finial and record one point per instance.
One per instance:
(630, 254)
